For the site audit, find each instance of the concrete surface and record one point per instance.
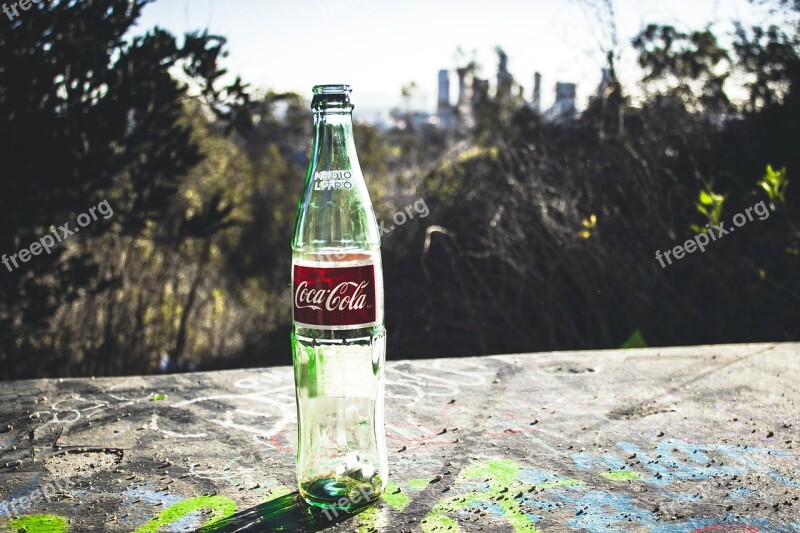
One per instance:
(666, 440)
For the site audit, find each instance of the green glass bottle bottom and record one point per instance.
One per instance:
(340, 493)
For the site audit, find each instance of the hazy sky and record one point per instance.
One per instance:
(379, 45)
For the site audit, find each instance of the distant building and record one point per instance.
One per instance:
(564, 106)
(536, 98)
(443, 102)
(445, 113)
(472, 91)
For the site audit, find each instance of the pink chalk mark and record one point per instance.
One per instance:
(734, 528)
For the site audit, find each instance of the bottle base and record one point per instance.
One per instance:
(341, 493)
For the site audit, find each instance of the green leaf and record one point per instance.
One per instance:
(158, 397)
(635, 341)
(705, 198)
(771, 172)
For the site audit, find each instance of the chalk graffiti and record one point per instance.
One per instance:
(264, 408)
(441, 379)
(499, 473)
(590, 491)
(506, 489)
(38, 524)
(521, 496)
(374, 518)
(676, 460)
(220, 507)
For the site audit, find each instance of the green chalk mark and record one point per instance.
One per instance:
(418, 484)
(371, 519)
(158, 397)
(622, 475)
(518, 520)
(220, 506)
(397, 500)
(437, 518)
(43, 523)
(437, 522)
(501, 473)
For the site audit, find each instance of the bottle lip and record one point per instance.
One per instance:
(332, 88)
(332, 98)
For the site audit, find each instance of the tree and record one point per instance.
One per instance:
(88, 114)
(770, 58)
(689, 67)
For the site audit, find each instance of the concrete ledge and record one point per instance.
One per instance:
(669, 439)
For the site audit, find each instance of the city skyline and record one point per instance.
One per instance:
(382, 46)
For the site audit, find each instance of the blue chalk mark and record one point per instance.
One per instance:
(584, 461)
(470, 486)
(591, 512)
(537, 477)
(666, 468)
(142, 509)
(495, 509)
(489, 507)
(682, 496)
(542, 443)
(543, 504)
(743, 455)
(740, 493)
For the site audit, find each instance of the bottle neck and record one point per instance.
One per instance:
(333, 148)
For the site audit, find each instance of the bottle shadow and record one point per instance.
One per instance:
(284, 513)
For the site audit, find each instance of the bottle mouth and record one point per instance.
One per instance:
(332, 98)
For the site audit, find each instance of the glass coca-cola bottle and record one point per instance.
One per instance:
(338, 335)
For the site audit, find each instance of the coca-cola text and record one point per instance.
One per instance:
(338, 296)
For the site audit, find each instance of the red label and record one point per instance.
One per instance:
(338, 296)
